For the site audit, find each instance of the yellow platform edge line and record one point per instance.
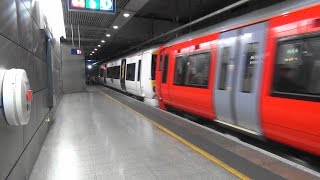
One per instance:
(187, 143)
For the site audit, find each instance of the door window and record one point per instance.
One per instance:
(116, 72)
(225, 58)
(131, 70)
(165, 69)
(250, 64)
(139, 69)
(153, 66)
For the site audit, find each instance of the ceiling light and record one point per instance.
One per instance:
(115, 27)
(126, 14)
(92, 52)
(108, 35)
(96, 49)
(103, 41)
(89, 66)
(99, 45)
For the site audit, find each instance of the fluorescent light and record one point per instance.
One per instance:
(115, 27)
(126, 14)
(108, 35)
(103, 41)
(99, 45)
(96, 49)
(90, 54)
(89, 66)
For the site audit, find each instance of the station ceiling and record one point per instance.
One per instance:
(148, 19)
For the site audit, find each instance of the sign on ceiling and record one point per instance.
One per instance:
(100, 6)
(76, 51)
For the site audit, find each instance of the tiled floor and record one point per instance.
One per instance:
(95, 138)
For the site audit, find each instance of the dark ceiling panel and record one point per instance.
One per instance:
(151, 18)
(91, 25)
(170, 14)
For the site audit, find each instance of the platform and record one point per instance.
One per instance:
(102, 134)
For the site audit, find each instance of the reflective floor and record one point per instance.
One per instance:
(95, 138)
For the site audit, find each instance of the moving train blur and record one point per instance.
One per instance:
(258, 73)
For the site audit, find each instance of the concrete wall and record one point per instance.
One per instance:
(23, 45)
(73, 70)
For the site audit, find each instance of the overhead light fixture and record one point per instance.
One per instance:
(99, 45)
(108, 35)
(89, 66)
(126, 15)
(103, 41)
(92, 52)
(115, 27)
(96, 49)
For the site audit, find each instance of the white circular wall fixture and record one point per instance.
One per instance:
(17, 97)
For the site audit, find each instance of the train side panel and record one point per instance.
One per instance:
(290, 100)
(147, 77)
(114, 78)
(131, 77)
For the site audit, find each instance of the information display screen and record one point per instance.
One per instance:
(101, 6)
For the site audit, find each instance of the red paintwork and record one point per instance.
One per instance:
(292, 122)
(191, 99)
(29, 95)
(160, 90)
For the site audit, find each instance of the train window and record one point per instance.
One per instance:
(131, 70)
(178, 73)
(116, 72)
(139, 69)
(101, 72)
(297, 69)
(250, 63)
(160, 64)
(153, 66)
(109, 70)
(197, 70)
(165, 69)
(225, 58)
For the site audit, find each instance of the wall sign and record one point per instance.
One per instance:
(76, 51)
(99, 6)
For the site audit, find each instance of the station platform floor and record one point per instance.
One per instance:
(101, 134)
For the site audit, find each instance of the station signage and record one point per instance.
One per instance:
(99, 6)
(76, 51)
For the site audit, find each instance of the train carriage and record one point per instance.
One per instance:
(135, 74)
(103, 74)
(258, 73)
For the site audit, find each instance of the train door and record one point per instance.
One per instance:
(248, 78)
(164, 80)
(123, 74)
(227, 50)
(239, 76)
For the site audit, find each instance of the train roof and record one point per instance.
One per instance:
(254, 16)
(144, 51)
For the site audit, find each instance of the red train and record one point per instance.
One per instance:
(259, 73)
